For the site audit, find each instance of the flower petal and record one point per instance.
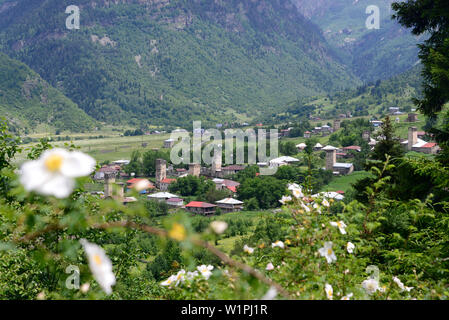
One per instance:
(33, 175)
(58, 186)
(77, 164)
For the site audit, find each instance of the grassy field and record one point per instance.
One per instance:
(113, 146)
(343, 183)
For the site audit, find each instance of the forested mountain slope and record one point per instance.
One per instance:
(170, 61)
(27, 100)
(371, 53)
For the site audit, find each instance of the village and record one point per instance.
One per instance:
(336, 159)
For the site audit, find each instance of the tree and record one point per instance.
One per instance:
(135, 165)
(388, 143)
(267, 190)
(288, 148)
(149, 161)
(193, 186)
(247, 173)
(289, 173)
(431, 17)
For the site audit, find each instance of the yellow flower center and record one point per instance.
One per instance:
(54, 162)
(178, 232)
(329, 252)
(97, 259)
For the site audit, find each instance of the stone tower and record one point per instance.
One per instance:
(195, 169)
(412, 137)
(366, 135)
(109, 181)
(161, 171)
(337, 124)
(216, 164)
(331, 157)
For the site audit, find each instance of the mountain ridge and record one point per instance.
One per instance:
(151, 61)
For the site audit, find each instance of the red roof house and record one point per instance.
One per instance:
(199, 207)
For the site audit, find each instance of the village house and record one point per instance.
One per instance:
(338, 168)
(284, 160)
(307, 134)
(326, 128)
(107, 169)
(202, 208)
(352, 148)
(301, 146)
(232, 169)
(317, 130)
(230, 205)
(181, 172)
(376, 123)
(285, 132)
(165, 184)
(169, 143)
(162, 196)
(394, 110)
(413, 143)
(132, 182)
(318, 147)
(230, 185)
(412, 117)
(175, 202)
(120, 162)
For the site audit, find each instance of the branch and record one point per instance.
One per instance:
(162, 233)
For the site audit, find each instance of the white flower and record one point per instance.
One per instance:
(143, 184)
(350, 247)
(401, 285)
(219, 226)
(325, 203)
(206, 271)
(100, 265)
(285, 199)
(191, 275)
(54, 172)
(306, 208)
(180, 277)
(271, 294)
(278, 243)
(327, 252)
(297, 192)
(269, 267)
(329, 291)
(293, 186)
(347, 297)
(169, 282)
(85, 287)
(317, 207)
(371, 286)
(341, 226)
(41, 296)
(247, 249)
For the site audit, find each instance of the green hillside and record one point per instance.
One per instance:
(168, 62)
(372, 53)
(27, 101)
(372, 99)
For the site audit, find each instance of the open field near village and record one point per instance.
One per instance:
(112, 147)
